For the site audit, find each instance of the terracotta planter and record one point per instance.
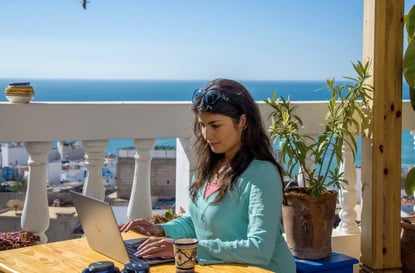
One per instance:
(408, 247)
(308, 223)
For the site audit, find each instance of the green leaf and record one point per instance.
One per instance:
(412, 97)
(169, 214)
(409, 57)
(410, 182)
(409, 64)
(324, 151)
(410, 23)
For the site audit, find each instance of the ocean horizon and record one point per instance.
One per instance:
(181, 90)
(161, 90)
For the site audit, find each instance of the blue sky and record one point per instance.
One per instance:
(181, 39)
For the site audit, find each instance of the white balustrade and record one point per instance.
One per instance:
(139, 205)
(348, 194)
(94, 161)
(35, 216)
(183, 167)
(170, 120)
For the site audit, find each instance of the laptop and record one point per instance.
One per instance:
(101, 229)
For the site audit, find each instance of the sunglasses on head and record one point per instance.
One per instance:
(210, 96)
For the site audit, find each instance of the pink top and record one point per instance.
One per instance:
(210, 188)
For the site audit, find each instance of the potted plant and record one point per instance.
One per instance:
(316, 194)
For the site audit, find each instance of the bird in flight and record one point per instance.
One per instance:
(84, 2)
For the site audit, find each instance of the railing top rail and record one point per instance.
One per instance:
(49, 121)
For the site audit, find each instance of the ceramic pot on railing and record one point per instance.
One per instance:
(19, 92)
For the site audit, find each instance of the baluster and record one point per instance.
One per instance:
(183, 177)
(139, 205)
(94, 161)
(35, 217)
(347, 194)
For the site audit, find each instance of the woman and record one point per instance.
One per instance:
(236, 193)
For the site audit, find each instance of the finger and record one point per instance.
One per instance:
(123, 227)
(143, 230)
(157, 255)
(131, 225)
(163, 251)
(149, 244)
(127, 226)
(145, 245)
(154, 250)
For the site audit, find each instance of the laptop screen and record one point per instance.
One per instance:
(100, 227)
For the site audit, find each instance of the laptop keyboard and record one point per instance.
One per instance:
(131, 247)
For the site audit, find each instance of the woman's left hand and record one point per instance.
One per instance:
(156, 247)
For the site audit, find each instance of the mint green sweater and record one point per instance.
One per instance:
(244, 227)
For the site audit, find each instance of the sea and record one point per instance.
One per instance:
(181, 90)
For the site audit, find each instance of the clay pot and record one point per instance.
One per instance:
(308, 223)
(407, 246)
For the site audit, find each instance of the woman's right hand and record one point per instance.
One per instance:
(143, 227)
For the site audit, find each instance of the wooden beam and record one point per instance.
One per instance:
(381, 144)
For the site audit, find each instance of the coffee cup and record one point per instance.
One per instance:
(185, 254)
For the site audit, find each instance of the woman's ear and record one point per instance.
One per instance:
(242, 122)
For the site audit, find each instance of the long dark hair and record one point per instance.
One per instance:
(255, 141)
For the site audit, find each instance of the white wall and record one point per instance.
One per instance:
(13, 154)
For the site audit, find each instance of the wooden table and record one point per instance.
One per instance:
(72, 256)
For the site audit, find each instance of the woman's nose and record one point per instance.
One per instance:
(208, 135)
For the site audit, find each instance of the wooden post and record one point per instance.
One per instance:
(381, 144)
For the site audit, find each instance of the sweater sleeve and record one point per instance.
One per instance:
(181, 227)
(264, 226)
